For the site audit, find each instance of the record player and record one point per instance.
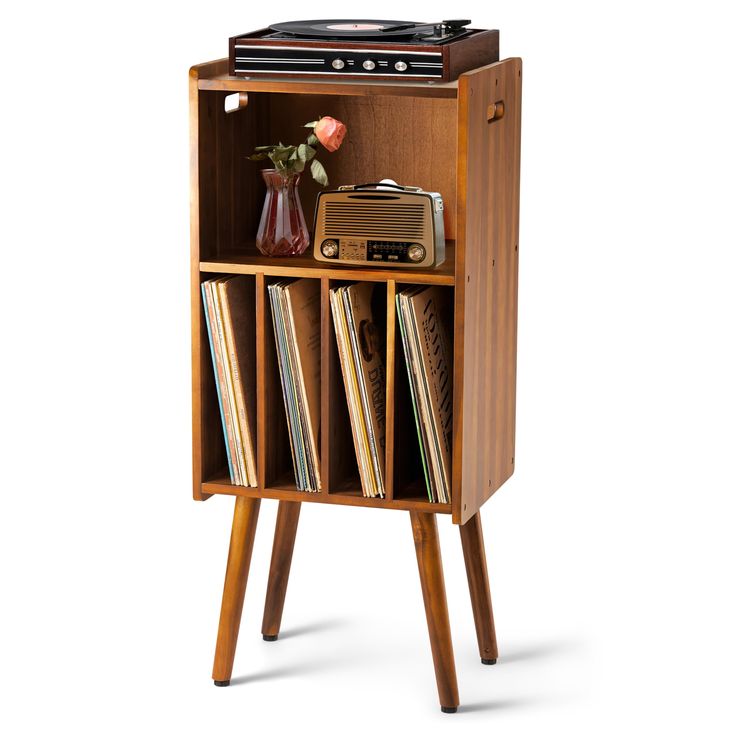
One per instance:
(389, 50)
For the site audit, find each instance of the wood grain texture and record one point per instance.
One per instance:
(245, 261)
(347, 493)
(242, 536)
(390, 366)
(486, 274)
(474, 553)
(410, 140)
(214, 76)
(287, 520)
(429, 560)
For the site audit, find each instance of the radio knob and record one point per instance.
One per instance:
(416, 253)
(369, 65)
(329, 248)
(400, 66)
(338, 64)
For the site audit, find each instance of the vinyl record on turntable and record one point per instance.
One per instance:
(359, 29)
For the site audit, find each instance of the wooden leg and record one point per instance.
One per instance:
(474, 551)
(429, 560)
(278, 576)
(245, 519)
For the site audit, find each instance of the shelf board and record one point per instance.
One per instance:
(226, 83)
(306, 266)
(351, 497)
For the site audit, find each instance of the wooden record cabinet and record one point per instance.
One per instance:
(461, 139)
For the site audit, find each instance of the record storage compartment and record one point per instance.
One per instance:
(440, 137)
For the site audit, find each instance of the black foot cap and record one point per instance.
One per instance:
(446, 709)
(270, 637)
(488, 661)
(222, 683)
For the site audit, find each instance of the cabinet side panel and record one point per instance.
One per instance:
(207, 447)
(489, 114)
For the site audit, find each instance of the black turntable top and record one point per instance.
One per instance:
(371, 30)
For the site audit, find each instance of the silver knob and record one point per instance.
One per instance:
(338, 64)
(416, 253)
(369, 65)
(329, 248)
(400, 66)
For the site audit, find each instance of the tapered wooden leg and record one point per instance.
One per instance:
(474, 551)
(245, 519)
(429, 561)
(278, 576)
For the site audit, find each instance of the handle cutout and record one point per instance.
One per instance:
(495, 111)
(236, 101)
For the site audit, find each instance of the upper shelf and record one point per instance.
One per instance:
(213, 76)
(306, 266)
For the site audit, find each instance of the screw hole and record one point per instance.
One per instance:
(512, 461)
(468, 279)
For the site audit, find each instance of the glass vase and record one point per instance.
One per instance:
(283, 229)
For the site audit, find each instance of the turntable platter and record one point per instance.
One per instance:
(346, 29)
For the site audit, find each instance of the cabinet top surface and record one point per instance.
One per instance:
(213, 76)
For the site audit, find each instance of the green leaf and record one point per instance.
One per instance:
(312, 124)
(257, 156)
(265, 148)
(305, 152)
(299, 165)
(312, 140)
(318, 173)
(282, 153)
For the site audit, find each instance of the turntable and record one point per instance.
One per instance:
(363, 49)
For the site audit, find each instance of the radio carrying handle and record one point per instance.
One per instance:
(376, 184)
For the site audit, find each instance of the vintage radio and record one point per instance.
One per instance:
(380, 224)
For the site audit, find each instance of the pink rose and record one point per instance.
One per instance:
(330, 132)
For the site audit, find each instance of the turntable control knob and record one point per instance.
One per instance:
(416, 252)
(338, 64)
(400, 66)
(369, 65)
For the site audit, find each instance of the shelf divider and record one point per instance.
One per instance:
(390, 385)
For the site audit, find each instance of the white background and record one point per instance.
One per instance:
(611, 549)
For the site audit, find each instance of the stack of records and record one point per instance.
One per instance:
(228, 306)
(425, 320)
(359, 345)
(295, 307)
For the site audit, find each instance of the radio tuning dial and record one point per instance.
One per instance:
(338, 64)
(416, 253)
(400, 66)
(369, 65)
(329, 248)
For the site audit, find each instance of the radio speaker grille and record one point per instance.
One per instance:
(403, 221)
